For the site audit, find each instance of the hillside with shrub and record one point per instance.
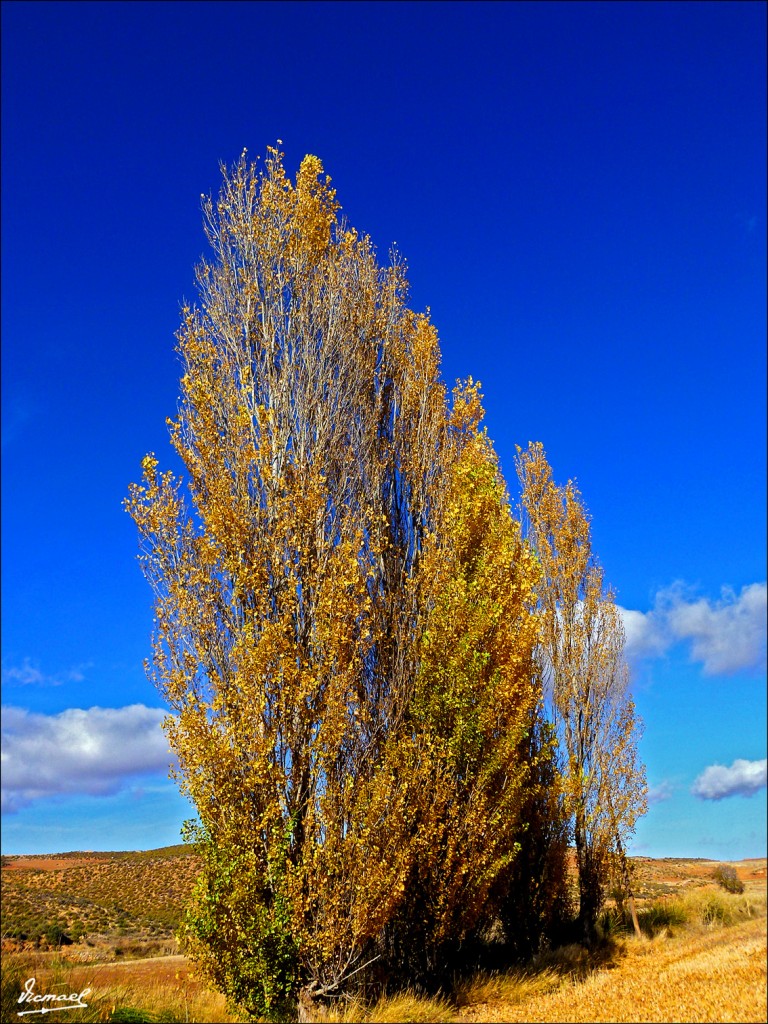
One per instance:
(96, 900)
(134, 899)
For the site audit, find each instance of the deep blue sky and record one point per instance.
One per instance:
(579, 190)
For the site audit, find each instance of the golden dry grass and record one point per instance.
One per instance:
(710, 965)
(705, 974)
(403, 1008)
(160, 987)
(509, 989)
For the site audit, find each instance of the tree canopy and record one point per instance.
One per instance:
(350, 622)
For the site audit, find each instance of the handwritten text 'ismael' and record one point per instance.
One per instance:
(75, 1001)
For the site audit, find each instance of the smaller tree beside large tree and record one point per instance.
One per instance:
(586, 682)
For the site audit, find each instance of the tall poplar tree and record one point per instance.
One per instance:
(586, 680)
(307, 588)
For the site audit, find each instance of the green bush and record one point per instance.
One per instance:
(662, 914)
(612, 922)
(713, 912)
(725, 876)
(56, 936)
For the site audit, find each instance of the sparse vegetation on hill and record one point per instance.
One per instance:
(52, 901)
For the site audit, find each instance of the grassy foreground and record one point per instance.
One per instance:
(702, 957)
(712, 975)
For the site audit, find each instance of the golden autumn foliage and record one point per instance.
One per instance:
(391, 705)
(474, 698)
(344, 610)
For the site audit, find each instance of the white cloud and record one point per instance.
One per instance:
(743, 778)
(658, 794)
(30, 674)
(646, 636)
(92, 751)
(726, 636)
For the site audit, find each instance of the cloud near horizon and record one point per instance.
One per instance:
(743, 778)
(94, 751)
(726, 636)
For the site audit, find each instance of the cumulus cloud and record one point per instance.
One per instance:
(646, 635)
(743, 778)
(726, 636)
(93, 751)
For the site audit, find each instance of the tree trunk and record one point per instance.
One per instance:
(589, 886)
(633, 912)
(307, 1009)
(625, 877)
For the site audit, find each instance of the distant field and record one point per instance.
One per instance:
(702, 956)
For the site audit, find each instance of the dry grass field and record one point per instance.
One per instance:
(152, 990)
(702, 956)
(716, 974)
